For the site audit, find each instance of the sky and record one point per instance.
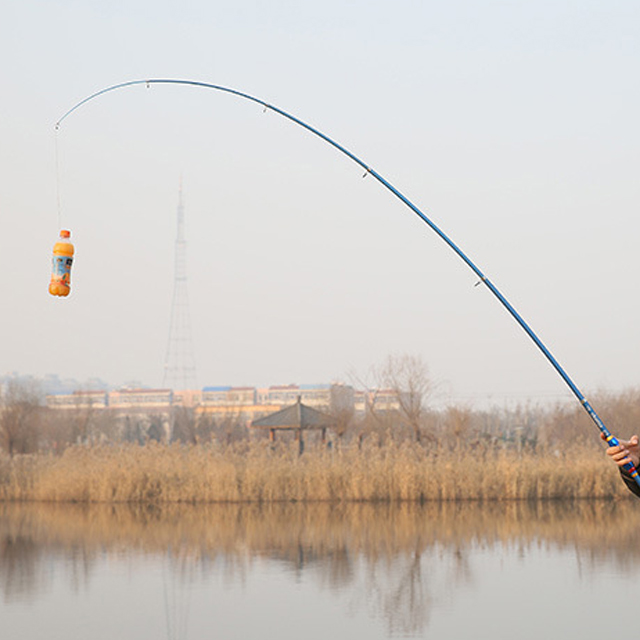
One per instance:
(512, 125)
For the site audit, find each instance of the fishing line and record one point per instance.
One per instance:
(57, 162)
(608, 437)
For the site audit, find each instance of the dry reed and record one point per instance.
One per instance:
(254, 472)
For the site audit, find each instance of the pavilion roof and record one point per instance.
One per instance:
(296, 416)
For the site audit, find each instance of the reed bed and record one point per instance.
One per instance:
(255, 472)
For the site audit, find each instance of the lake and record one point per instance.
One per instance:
(289, 571)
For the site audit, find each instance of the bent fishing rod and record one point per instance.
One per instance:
(606, 434)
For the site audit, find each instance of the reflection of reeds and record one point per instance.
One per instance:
(257, 473)
(373, 530)
(388, 552)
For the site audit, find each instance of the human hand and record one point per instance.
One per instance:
(627, 451)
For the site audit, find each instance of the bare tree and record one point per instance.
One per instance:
(20, 413)
(458, 425)
(376, 421)
(80, 419)
(184, 427)
(408, 378)
(229, 427)
(342, 410)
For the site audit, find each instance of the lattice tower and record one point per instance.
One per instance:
(179, 363)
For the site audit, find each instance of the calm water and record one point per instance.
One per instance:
(318, 572)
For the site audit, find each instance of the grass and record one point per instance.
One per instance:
(255, 473)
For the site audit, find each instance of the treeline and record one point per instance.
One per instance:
(28, 427)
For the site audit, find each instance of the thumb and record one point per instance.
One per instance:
(633, 441)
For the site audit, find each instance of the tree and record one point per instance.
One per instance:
(458, 426)
(408, 378)
(20, 413)
(341, 409)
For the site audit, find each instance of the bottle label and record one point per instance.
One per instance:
(61, 269)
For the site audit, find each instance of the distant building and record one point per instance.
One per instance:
(188, 398)
(78, 400)
(141, 399)
(323, 396)
(380, 400)
(241, 403)
(228, 396)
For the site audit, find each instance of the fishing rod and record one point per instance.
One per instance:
(611, 440)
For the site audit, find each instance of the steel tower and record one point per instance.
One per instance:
(179, 363)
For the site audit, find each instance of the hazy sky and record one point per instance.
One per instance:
(513, 125)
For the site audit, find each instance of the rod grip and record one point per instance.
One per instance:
(612, 441)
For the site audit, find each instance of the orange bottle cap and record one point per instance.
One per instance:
(64, 233)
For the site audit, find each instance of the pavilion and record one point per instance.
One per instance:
(299, 418)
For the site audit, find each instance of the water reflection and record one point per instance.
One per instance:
(392, 561)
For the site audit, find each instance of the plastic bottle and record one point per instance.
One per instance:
(60, 284)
